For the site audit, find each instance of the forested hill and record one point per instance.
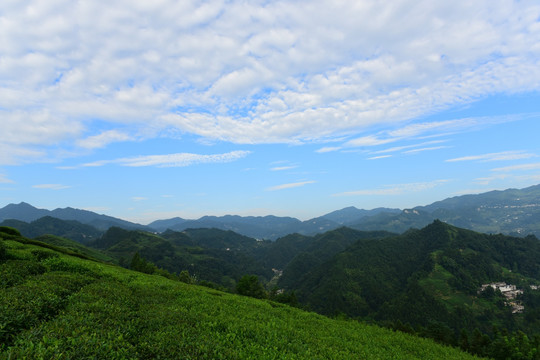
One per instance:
(429, 278)
(56, 304)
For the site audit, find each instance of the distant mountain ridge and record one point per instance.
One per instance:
(512, 212)
(28, 213)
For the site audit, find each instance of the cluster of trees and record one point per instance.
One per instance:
(499, 345)
(249, 285)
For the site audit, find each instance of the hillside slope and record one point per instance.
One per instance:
(53, 305)
(430, 277)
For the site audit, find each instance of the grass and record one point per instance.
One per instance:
(57, 306)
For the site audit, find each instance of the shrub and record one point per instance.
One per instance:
(249, 285)
(3, 252)
(43, 254)
(10, 231)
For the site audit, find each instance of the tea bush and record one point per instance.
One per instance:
(62, 307)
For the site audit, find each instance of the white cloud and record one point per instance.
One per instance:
(103, 139)
(173, 160)
(520, 167)
(396, 189)
(282, 168)
(253, 73)
(405, 147)
(379, 157)
(328, 149)
(289, 185)
(432, 148)
(426, 130)
(51, 186)
(499, 156)
(5, 180)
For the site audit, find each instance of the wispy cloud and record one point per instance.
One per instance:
(499, 156)
(396, 189)
(282, 168)
(520, 167)
(432, 148)
(426, 130)
(379, 157)
(508, 175)
(406, 147)
(51, 186)
(139, 198)
(328, 149)
(289, 185)
(5, 180)
(173, 160)
(103, 139)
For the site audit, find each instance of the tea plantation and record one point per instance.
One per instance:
(58, 304)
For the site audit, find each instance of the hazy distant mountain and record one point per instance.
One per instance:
(23, 212)
(351, 214)
(511, 212)
(28, 213)
(268, 227)
(48, 225)
(260, 227)
(162, 225)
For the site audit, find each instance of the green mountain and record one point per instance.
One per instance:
(429, 278)
(49, 225)
(320, 249)
(55, 305)
(214, 255)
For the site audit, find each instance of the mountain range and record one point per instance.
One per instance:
(512, 212)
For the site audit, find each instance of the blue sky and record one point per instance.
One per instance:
(148, 110)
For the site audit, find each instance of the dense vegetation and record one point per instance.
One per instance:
(427, 281)
(424, 282)
(56, 303)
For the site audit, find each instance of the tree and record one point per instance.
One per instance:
(141, 265)
(185, 277)
(249, 285)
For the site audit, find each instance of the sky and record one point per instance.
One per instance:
(149, 110)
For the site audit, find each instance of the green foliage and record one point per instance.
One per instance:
(60, 311)
(141, 265)
(13, 272)
(43, 254)
(185, 277)
(9, 231)
(3, 251)
(249, 285)
(218, 256)
(284, 297)
(428, 279)
(322, 248)
(74, 247)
